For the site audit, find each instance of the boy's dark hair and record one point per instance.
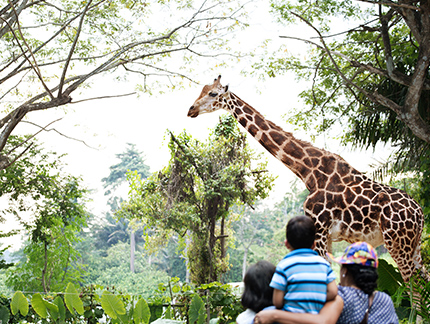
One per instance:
(257, 293)
(301, 232)
(364, 277)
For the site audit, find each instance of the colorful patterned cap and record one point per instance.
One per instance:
(358, 253)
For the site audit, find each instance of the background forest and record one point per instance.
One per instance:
(106, 183)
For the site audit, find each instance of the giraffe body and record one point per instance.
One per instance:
(344, 203)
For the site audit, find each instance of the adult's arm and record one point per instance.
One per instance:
(328, 315)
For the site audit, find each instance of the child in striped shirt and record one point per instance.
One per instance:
(303, 281)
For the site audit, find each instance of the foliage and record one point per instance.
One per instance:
(183, 303)
(192, 196)
(50, 206)
(421, 301)
(390, 278)
(365, 72)
(27, 182)
(3, 263)
(49, 255)
(49, 50)
(223, 303)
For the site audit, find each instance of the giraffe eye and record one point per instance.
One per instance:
(213, 94)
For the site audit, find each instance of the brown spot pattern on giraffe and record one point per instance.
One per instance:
(296, 151)
(252, 129)
(268, 143)
(277, 137)
(261, 123)
(243, 121)
(248, 111)
(314, 152)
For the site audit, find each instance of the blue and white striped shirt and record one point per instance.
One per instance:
(303, 275)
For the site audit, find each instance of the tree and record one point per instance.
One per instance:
(252, 228)
(28, 182)
(50, 260)
(49, 205)
(130, 161)
(194, 193)
(49, 50)
(371, 76)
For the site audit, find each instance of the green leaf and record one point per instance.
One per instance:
(389, 277)
(58, 301)
(52, 309)
(168, 313)
(38, 305)
(4, 314)
(197, 312)
(112, 305)
(141, 312)
(72, 300)
(19, 303)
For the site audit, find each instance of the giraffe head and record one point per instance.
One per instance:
(210, 99)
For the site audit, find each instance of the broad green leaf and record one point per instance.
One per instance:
(112, 305)
(72, 300)
(19, 303)
(168, 313)
(125, 318)
(389, 277)
(38, 305)
(52, 309)
(197, 313)
(58, 301)
(141, 312)
(4, 314)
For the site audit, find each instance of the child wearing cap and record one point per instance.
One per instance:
(303, 281)
(358, 281)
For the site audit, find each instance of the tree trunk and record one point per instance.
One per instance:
(45, 267)
(245, 256)
(223, 250)
(187, 262)
(132, 249)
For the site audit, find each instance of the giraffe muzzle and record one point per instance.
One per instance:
(193, 112)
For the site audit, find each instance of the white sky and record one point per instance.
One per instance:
(111, 123)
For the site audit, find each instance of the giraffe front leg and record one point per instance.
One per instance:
(323, 242)
(315, 209)
(323, 239)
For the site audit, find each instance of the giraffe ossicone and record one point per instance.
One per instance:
(344, 203)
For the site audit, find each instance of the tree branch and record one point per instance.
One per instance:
(72, 49)
(409, 115)
(34, 66)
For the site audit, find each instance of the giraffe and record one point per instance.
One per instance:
(344, 203)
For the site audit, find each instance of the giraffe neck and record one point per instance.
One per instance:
(311, 164)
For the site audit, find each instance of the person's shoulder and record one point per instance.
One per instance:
(348, 293)
(246, 317)
(383, 297)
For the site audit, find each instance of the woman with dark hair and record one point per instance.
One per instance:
(358, 281)
(257, 293)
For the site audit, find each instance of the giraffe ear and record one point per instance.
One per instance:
(226, 88)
